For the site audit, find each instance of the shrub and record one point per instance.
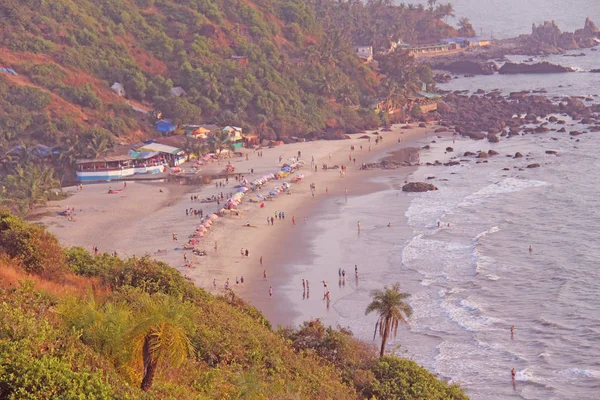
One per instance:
(37, 250)
(46, 74)
(402, 379)
(29, 97)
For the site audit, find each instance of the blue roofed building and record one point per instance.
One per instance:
(165, 126)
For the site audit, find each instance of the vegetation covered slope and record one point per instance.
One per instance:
(73, 325)
(282, 68)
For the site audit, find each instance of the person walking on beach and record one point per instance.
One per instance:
(272, 221)
(237, 281)
(261, 261)
(184, 256)
(344, 274)
(247, 253)
(355, 269)
(271, 291)
(264, 275)
(358, 225)
(512, 332)
(293, 220)
(242, 280)
(340, 273)
(303, 285)
(268, 221)
(216, 246)
(242, 252)
(214, 283)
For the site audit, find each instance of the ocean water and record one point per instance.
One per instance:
(473, 278)
(509, 18)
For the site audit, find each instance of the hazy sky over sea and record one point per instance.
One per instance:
(509, 18)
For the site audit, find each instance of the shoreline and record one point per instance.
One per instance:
(142, 218)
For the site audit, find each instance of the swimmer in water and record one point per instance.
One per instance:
(389, 225)
(512, 332)
(513, 372)
(530, 249)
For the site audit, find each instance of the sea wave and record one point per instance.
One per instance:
(504, 186)
(581, 373)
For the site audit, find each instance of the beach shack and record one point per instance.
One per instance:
(234, 136)
(251, 140)
(165, 126)
(200, 131)
(105, 168)
(426, 101)
(430, 49)
(479, 41)
(172, 156)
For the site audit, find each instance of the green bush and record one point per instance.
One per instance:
(33, 246)
(84, 96)
(29, 97)
(47, 74)
(402, 379)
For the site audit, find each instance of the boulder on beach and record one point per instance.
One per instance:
(418, 187)
(492, 152)
(468, 154)
(493, 138)
(518, 155)
(534, 165)
(554, 152)
(482, 154)
(449, 149)
(538, 68)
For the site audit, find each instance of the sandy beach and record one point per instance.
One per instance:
(144, 216)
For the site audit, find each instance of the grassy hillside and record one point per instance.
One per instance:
(91, 327)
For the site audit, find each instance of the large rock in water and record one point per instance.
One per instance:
(538, 68)
(418, 187)
(467, 67)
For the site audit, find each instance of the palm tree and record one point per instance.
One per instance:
(161, 334)
(98, 146)
(219, 141)
(391, 308)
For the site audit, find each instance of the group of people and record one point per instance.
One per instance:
(277, 215)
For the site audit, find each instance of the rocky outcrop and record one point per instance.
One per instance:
(418, 187)
(471, 67)
(538, 68)
(489, 116)
(596, 71)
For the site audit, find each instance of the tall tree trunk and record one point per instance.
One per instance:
(384, 338)
(149, 366)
